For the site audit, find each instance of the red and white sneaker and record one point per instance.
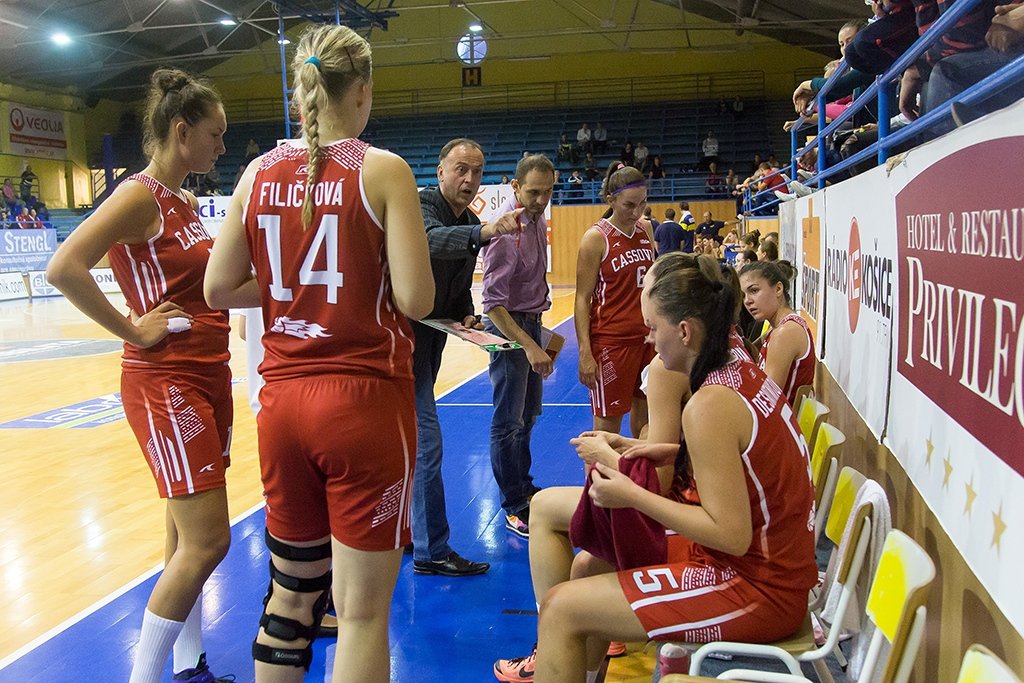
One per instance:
(516, 669)
(616, 649)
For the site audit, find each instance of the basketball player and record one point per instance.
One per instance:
(614, 255)
(746, 573)
(334, 230)
(787, 352)
(175, 381)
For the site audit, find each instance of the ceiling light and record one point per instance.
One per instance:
(476, 28)
(61, 38)
(284, 41)
(227, 21)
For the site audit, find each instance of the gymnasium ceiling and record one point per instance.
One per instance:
(115, 44)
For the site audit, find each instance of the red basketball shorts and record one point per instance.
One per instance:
(699, 603)
(182, 421)
(337, 454)
(618, 376)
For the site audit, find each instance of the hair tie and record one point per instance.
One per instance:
(639, 183)
(351, 62)
(314, 61)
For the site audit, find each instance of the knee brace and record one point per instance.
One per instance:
(284, 628)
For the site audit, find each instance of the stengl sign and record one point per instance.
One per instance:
(36, 132)
(24, 250)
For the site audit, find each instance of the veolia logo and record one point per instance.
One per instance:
(853, 290)
(17, 119)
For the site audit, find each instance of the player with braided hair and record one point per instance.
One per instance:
(334, 230)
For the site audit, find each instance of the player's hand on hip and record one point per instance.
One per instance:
(152, 327)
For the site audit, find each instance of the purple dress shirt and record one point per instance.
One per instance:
(515, 266)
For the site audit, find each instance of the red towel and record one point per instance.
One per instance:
(623, 537)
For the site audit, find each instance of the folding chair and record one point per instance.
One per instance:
(809, 416)
(981, 666)
(824, 471)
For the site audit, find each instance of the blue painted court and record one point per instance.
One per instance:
(442, 629)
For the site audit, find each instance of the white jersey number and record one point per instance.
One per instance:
(325, 238)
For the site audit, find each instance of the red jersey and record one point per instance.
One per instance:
(778, 476)
(802, 371)
(325, 291)
(615, 314)
(171, 266)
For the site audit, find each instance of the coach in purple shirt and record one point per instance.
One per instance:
(515, 293)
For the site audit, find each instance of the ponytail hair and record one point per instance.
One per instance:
(773, 272)
(328, 61)
(173, 93)
(688, 287)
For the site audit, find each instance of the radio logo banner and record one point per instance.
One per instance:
(961, 298)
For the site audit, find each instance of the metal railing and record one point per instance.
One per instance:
(883, 89)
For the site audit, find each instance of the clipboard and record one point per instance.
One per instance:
(485, 340)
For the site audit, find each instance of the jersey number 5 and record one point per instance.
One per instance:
(326, 237)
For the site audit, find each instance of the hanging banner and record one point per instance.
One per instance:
(36, 132)
(860, 250)
(957, 390)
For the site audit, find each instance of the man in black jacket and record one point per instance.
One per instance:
(454, 236)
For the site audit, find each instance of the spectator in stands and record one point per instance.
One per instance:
(35, 221)
(10, 198)
(590, 167)
(4, 218)
(628, 155)
(655, 170)
(575, 183)
(23, 219)
(955, 73)
(640, 156)
(27, 178)
(709, 149)
(504, 180)
(583, 139)
(210, 182)
(709, 227)
(565, 150)
(737, 108)
(558, 194)
(772, 180)
(730, 180)
(252, 150)
(44, 214)
(669, 234)
(238, 176)
(715, 184)
(757, 162)
(600, 138)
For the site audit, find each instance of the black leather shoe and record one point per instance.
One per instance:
(453, 565)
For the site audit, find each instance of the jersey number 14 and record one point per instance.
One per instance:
(325, 238)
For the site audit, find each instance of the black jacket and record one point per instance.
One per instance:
(454, 243)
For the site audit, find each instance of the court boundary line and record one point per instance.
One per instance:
(41, 639)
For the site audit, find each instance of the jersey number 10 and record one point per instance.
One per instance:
(331, 277)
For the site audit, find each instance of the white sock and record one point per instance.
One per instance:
(155, 643)
(189, 645)
(592, 676)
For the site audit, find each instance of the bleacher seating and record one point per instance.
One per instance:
(672, 129)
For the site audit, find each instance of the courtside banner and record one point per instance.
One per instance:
(956, 421)
(212, 211)
(25, 250)
(790, 243)
(12, 286)
(104, 278)
(857, 279)
(35, 132)
(801, 223)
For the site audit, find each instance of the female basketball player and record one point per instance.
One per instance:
(175, 381)
(334, 230)
(787, 352)
(614, 255)
(746, 573)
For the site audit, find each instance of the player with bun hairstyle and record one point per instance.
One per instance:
(750, 560)
(787, 352)
(613, 257)
(334, 230)
(175, 381)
